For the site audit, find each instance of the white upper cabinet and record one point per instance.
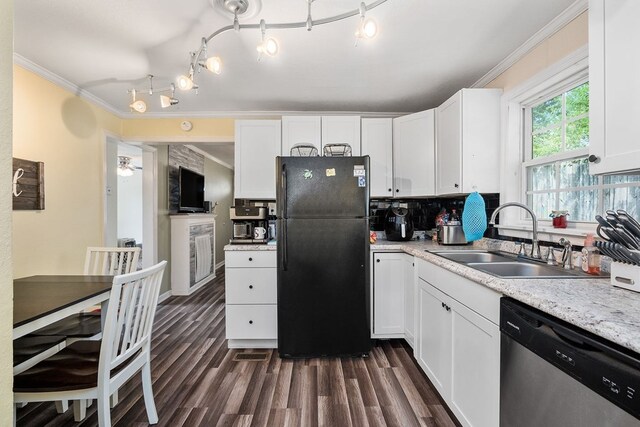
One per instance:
(342, 130)
(413, 154)
(301, 130)
(377, 140)
(257, 143)
(320, 130)
(468, 142)
(614, 42)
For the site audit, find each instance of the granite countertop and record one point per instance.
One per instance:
(591, 304)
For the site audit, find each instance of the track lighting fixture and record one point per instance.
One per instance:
(137, 105)
(368, 27)
(166, 101)
(268, 46)
(140, 106)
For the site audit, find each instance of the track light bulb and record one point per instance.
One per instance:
(185, 82)
(167, 101)
(268, 47)
(140, 106)
(214, 64)
(369, 28)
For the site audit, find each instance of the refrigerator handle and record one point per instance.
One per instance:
(284, 191)
(284, 244)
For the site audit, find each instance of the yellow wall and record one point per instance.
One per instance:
(166, 129)
(573, 36)
(6, 283)
(65, 132)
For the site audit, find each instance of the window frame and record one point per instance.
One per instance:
(565, 73)
(528, 160)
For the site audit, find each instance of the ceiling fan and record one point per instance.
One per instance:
(125, 168)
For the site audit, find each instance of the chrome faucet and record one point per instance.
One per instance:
(566, 254)
(535, 248)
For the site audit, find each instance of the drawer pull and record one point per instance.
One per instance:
(250, 259)
(251, 322)
(250, 286)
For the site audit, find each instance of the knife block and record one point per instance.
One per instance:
(625, 276)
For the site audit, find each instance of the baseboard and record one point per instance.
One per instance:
(165, 296)
(219, 265)
(257, 343)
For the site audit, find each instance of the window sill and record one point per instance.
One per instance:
(546, 233)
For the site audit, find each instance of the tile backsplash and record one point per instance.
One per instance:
(424, 211)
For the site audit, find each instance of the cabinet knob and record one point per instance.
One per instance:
(251, 322)
(594, 159)
(397, 190)
(250, 259)
(448, 308)
(443, 305)
(390, 189)
(456, 185)
(377, 260)
(250, 286)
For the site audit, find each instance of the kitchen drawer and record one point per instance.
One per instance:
(251, 286)
(250, 259)
(252, 321)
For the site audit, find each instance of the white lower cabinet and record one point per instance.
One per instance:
(458, 343)
(251, 314)
(392, 295)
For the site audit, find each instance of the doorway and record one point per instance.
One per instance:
(131, 203)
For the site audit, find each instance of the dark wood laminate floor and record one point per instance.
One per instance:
(197, 382)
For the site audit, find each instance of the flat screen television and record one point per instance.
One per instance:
(191, 191)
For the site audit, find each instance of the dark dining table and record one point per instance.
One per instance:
(39, 301)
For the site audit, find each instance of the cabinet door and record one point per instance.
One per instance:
(342, 130)
(409, 299)
(257, 143)
(300, 130)
(614, 36)
(388, 293)
(414, 154)
(377, 139)
(433, 338)
(449, 146)
(475, 375)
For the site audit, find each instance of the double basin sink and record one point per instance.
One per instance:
(506, 265)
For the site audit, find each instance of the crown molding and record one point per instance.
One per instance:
(258, 114)
(64, 83)
(560, 21)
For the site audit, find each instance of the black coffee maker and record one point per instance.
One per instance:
(398, 223)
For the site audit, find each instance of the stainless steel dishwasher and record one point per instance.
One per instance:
(555, 374)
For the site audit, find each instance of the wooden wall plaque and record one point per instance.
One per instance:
(28, 185)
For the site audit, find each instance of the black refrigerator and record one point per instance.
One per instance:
(323, 256)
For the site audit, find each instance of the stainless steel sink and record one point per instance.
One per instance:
(508, 266)
(523, 269)
(473, 256)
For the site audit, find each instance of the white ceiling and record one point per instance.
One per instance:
(425, 51)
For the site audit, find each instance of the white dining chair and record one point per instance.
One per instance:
(100, 261)
(111, 261)
(96, 369)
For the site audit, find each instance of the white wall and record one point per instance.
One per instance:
(6, 274)
(130, 206)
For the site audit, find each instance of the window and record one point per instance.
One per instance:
(555, 167)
